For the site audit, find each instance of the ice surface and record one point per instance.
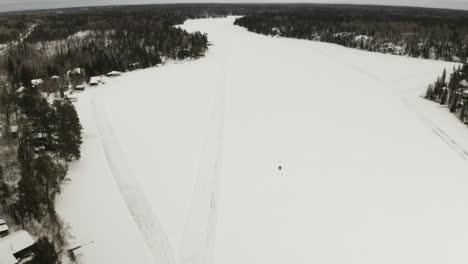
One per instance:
(371, 173)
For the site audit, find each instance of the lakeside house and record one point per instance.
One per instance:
(95, 80)
(79, 88)
(37, 82)
(4, 229)
(464, 83)
(114, 74)
(16, 248)
(14, 131)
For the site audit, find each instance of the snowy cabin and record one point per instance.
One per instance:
(16, 248)
(94, 81)
(134, 66)
(114, 74)
(14, 131)
(36, 82)
(21, 89)
(464, 83)
(79, 88)
(4, 229)
(464, 93)
(75, 71)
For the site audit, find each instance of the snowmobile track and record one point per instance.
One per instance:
(132, 193)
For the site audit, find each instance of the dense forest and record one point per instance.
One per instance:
(452, 91)
(416, 32)
(11, 29)
(39, 140)
(99, 43)
(43, 57)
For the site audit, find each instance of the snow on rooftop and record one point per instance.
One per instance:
(17, 241)
(81, 34)
(95, 80)
(36, 81)
(55, 77)
(6, 257)
(20, 90)
(114, 73)
(2, 221)
(362, 37)
(4, 227)
(464, 83)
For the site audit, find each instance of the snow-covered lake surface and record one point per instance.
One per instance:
(180, 162)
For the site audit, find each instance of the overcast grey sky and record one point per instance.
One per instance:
(10, 5)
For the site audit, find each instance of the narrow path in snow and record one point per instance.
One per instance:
(142, 212)
(200, 229)
(390, 86)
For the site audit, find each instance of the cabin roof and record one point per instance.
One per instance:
(21, 89)
(17, 241)
(36, 81)
(464, 83)
(4, 227)
(114, 73)
(6, 257)
(94, 79)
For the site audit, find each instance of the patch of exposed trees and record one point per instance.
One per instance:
(422, 33)
(452, 93)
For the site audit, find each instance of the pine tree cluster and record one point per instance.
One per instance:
(452, 93)
(49, 138)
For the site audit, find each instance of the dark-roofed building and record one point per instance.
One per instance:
(16, 247)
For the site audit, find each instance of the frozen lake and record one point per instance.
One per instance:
(180, 162)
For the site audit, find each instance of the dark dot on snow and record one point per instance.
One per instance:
(279, 167)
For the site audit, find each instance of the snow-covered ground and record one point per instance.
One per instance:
(180, 162)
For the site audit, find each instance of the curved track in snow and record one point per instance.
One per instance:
(137, 204)
(426, 120)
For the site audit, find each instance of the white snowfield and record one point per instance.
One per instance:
(180, 162)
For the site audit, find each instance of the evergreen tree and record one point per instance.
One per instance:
(68, 131)
(45, 252)
(30, 198)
